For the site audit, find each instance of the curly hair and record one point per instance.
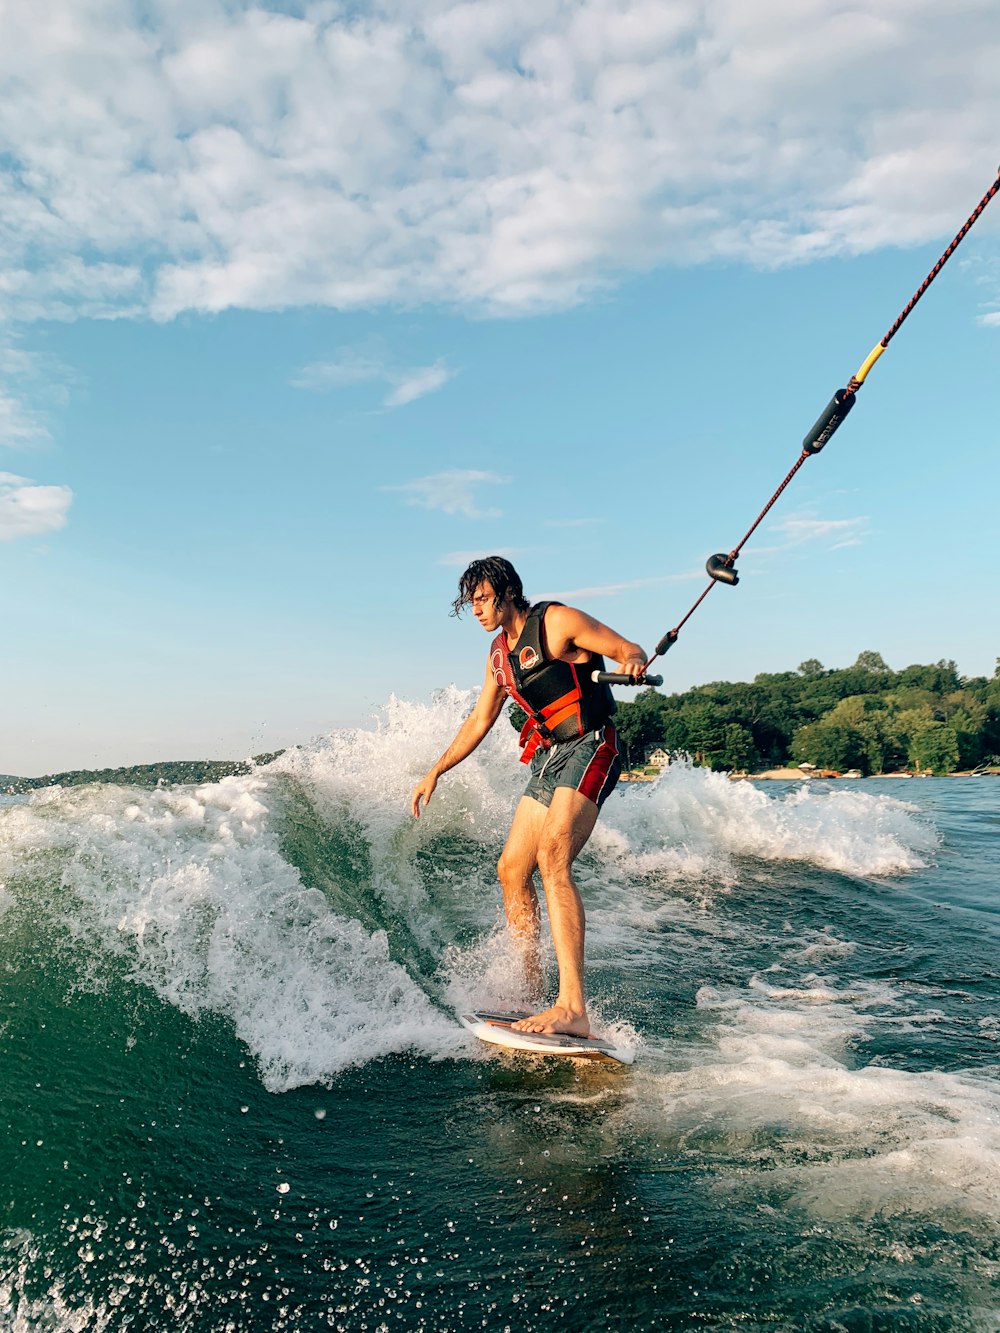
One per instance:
(500, 574)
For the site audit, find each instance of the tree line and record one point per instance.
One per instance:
(145, 775)
(865, 717)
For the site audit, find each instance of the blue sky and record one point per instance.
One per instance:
(301, 306)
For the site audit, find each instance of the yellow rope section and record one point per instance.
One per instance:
(869, 361)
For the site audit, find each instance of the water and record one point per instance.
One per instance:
(235, 1097)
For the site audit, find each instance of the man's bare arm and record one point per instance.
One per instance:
(568, 630)
(468, 736)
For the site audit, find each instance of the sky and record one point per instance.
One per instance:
(303, 306)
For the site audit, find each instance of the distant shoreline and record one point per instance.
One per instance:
(188, 771)
(173, 772)
(797, 775)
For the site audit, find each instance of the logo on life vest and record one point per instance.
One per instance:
(496, 663)
(527, 658)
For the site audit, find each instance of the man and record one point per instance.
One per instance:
(543, 657)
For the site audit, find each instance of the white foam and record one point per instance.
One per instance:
(691, 819)
(374, 770)
(773, 1079)
(190, 887)
(21, 1312)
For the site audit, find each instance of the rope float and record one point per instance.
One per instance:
(721, 567)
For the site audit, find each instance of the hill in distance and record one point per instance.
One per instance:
(143, 775)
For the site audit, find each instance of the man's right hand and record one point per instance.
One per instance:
(634, 664)
(423, 789)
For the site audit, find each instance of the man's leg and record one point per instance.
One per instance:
(516, 869)
(568, 823)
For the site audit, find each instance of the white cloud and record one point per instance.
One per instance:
(354, 366)
(990, 321)
(22, 373)
(350, 368)
(502, 155)
(838, 532)
(571, 522)
(462, 559)
(594, 591)
(27, 510)
(416, 383)
(19, 424)
(793, 531)
(452, 492)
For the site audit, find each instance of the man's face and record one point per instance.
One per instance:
(484, 606)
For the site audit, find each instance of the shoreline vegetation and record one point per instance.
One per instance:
(170, 773)
(800, 775)
(186, 771)
(865, 720)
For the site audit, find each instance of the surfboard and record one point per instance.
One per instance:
(497, 1031)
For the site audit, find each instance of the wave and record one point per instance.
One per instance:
(304, 904)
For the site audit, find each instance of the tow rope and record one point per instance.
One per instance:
(722, 567)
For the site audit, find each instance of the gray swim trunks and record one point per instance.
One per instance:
(590, 764)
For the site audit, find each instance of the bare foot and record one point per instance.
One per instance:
(560, 1018)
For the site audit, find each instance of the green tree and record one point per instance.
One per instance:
(870, 661)
(640, 724)
(705, 726)
(875, 744)
(831, 745)
(968, 733)
(965, 710)
(909, 723)
(939, 678)
(738, 750)
(934, 746)
(864, 716)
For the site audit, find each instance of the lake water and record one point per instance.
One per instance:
(235, 1096)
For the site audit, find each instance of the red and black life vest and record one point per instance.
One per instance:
(560, 698)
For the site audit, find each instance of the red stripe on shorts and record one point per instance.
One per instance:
(595, 778)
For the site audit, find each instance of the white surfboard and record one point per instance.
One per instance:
(496, 1029)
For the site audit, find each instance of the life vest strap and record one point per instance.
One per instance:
(529, 740)
(553, 720)
(540, 726)
(568, 700)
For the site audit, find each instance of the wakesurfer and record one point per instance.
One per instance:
(542, 657)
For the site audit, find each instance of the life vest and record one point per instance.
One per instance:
(560, 698)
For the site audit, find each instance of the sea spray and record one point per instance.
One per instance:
(694, 813)
(335, 957)
(776, 1082)
(188, 886)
